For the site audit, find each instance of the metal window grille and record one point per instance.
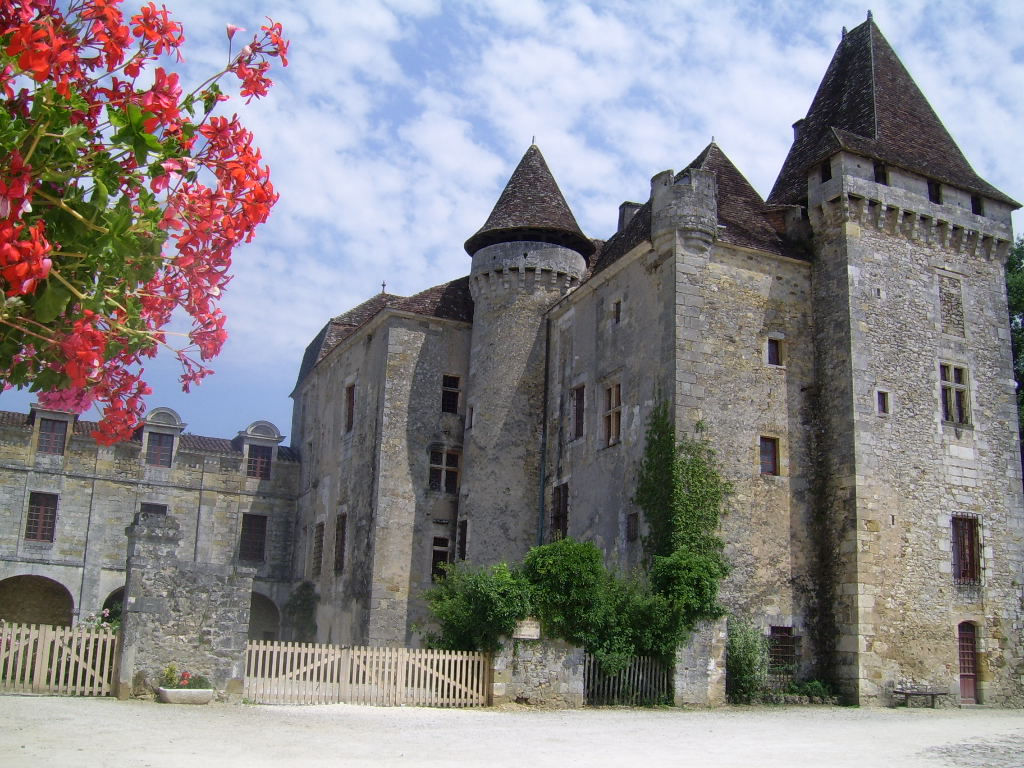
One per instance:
(252, 542)
(966, 546)
(258, 463)
(52, 436)
(769, 455)
(450, 388)
(42, 517)
(318, 549)
(340, 525)
(159, 449)
(955, 394)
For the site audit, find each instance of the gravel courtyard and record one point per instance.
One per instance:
(52, 731)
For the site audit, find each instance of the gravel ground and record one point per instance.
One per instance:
(53, 731)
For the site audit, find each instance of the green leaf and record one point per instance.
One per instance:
(49, 306)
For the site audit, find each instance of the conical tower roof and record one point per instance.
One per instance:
(531, 208)
(869, 104)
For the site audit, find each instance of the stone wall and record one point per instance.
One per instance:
(192, 615)
(699, 674)
(546, 673)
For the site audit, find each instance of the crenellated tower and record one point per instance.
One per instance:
(528, 254)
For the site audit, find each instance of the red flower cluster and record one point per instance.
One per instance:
(149, 202)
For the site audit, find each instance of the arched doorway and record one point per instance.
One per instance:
(967, 640)
(264, 618)
(114, 605)
(35, 600)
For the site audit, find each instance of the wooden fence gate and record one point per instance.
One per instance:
(76, 661)
(312, 673)
(644, 682)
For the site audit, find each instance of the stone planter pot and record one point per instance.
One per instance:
(184, 695)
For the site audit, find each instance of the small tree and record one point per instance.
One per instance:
(746, 662)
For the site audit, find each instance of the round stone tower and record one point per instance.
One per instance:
(528, 254)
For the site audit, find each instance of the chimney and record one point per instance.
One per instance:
(626, 213)
(796, 128)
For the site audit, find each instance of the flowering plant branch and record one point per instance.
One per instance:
(121, 200)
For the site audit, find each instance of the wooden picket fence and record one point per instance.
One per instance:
(313, 673)
(644, 682)
(75, 661)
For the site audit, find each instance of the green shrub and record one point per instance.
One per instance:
(746, 662)
(475, 607)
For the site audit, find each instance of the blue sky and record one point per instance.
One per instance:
(398, 122)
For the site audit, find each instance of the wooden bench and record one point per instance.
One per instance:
(907, 694)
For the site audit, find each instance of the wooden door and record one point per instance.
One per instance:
(967, 640)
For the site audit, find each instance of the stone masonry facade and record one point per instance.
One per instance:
(843, 345)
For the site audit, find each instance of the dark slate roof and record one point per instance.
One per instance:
(869, 104)
(451, 301)
(531, 207)
(189, 442)
(744, 218)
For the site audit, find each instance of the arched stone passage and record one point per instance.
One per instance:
(114, 603)
(264, 618)
(35, 600)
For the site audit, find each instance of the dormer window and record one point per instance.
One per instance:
(258, 442)
(258, 461)
(159, 430)
(159, 449)
(52, 436)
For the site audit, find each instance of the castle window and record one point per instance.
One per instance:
(149, 508)
(935, 192)
(340, 524)
(318, 550)
(966, 550)
(955, 394)
(252, 542)
(578, 400)
(612, 415)
(977, 205)
(617, 311)
(773, 352)
(826, 171)
(444, 471)
(881, 173)
(258, 464)
(882, 402)
(439, 557)
(159, 448)
(463, 532)
(769, 447)
(782, 654)
(559, 512)
(42, 517)
(450, 394)
(350, 407)
(52, 436)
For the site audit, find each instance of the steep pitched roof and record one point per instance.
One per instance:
(869, 104)
(744, 218)
(450, 300)
(531, 207)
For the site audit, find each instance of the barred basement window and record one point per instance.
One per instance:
(444, 471)
(769, 455)
(52, 436)
(439, 556)
(450, 394)
(340, 525)
(559, 512)
(318, 549)
(955, 394)
(42, 517)
(252, 542)
(149, 508)
(612, 413)
(578, 400)
(966, 546)
(258, 464)
(782, 651)
(350, 407)
(159, 449)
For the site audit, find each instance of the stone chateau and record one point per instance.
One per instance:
(844, 342)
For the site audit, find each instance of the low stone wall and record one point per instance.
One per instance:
(547, 673)
(700, 667)
(192, 615)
